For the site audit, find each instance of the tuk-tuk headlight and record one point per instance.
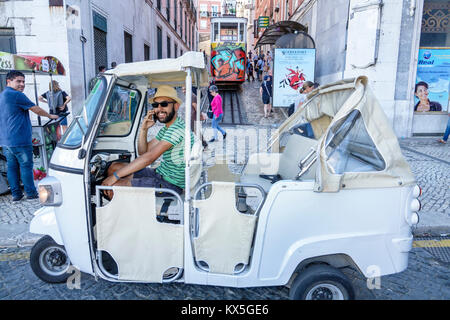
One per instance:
(50, 192)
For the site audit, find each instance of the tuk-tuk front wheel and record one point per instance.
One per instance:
(321, 282)
(49, 261)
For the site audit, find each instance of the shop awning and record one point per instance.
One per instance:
(29, 64)
(277, 30)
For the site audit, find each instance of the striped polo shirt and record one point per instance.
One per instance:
(172, 165)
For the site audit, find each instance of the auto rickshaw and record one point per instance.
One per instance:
(295, 215)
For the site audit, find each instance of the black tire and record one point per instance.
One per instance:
(321, 282)
(49, 261)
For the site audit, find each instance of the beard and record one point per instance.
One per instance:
(169, 117)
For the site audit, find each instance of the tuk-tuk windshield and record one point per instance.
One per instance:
(82, 121)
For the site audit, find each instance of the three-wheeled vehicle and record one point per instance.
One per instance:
(295, 215)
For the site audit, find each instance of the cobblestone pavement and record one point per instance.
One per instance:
(430, 163)
(427, 278)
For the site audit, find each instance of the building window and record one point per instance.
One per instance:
(169, 54)
(186, 27)
(204, 10)
(158, 5)
(181, 22)
(188, 31)
(146, 52)
(435, 29)
(56, 3)
(192, 37)
(128, 42)
(100, 48)
(214, 11)
(176, 50)
(168, 10)
(203, 24)
(175, 14)
(7, 44)
(159, 39)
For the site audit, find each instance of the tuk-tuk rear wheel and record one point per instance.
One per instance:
(321, 282)
(49, 261)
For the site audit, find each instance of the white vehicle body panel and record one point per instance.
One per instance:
(44, 222)
(71, 219)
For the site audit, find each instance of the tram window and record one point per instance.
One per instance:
(228, 32)
(215, 32)
(241, 32)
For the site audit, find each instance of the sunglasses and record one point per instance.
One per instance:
(163, 104)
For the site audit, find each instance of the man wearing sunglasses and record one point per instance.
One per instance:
(169, 142)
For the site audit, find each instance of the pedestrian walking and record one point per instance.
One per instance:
(57, 101)
(250, 71)
(447, 132)
(216, 106)
(266, 95)
(15, 134)
(260, 68)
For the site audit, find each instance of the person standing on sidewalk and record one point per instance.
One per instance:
(15, 134)
(447, 131)
(266, 95)
(57, 101)
(216, 105)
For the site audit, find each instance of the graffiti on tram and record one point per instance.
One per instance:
(228, 61)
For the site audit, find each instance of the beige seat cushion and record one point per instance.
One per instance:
(142, 247)
(225, 235)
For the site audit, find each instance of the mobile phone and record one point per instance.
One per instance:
(155, 118)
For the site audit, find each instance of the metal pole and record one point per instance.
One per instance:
(187, 135)
(83, 41)
(36, 95)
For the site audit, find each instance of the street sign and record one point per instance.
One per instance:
(263, 22)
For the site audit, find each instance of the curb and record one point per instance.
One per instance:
(26, 239)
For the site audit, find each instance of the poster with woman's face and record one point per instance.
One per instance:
(433, 70)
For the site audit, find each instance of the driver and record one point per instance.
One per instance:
(169, 142)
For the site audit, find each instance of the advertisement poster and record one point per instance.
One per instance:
(292, 67)
(228, 61)
(433, 68)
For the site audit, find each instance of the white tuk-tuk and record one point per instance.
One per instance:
(294, 215)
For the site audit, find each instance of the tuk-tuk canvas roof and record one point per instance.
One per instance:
(165, 71)
(337, 101)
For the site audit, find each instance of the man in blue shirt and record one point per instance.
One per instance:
(15, 134)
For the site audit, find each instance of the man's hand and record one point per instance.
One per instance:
(54, 116)
(148, 120)
(110, 181)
